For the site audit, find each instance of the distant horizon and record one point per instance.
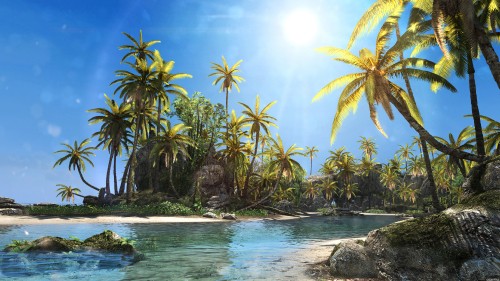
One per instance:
(58, 59)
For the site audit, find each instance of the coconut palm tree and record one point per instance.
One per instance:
(171, 144)
(367, 168)
(68, 193)
(311, 153)
(404, 152)
(462, 143)
(258, 120)
(282, 162)
(329, 187)
(368, 146)
(228, 77)
(114, 134)
(77, 155)
(139, 48)
(311, 190)
(492, 135)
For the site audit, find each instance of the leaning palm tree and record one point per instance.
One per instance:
(77, 155)
(228, 77)
(311, 153)
(68, 193)
(172, 144)
(258, 120)
(282, 162)
(114, 134)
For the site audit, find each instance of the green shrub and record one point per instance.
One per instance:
(375, 211)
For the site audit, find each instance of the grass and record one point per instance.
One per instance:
(159, 209)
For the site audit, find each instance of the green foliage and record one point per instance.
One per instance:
(375, 211)
(252, 213)
(74, 238)
(19, 246)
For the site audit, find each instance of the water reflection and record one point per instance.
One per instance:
(250, 250)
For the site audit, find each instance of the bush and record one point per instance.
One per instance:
(375, 211)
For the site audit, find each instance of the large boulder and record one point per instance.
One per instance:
(460, 243)
(211, 182)
(350, 259)
(491, 177)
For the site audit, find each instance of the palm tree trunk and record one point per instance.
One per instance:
(124, 177)
(108, 173)
(311, 169)
(475, 108)
(489, 54)
(115, 179)
(425, 152)
(250, 168)
(84, 181)
(424, 134)
(133, 160)
(172, 181)
(430, 177)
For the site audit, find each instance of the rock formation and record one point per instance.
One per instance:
(9, 207)
(460, 243)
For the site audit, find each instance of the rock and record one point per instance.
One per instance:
(210, 179)
(228, 216)
(91, 200)
(460, 243)
(11, 205)
(284, 205)
(350, 260)
(45, 205)
(491, 177)
(107, 241)
(210, 215)
(4, 200)
(313, 204)
(11, 211)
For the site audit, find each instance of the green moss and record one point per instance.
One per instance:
(489, 200)
(428, 231)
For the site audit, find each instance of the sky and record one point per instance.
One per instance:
(58, 58)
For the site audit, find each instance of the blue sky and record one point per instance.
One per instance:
(57, 59)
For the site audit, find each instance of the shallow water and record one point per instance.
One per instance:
(247, 250)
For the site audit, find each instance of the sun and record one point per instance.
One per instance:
(300, 27)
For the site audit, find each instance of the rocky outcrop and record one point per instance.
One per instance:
(351, 259)
(491, 177)
(212, 186)
(460, 243)
(107, 241)
(10, 207)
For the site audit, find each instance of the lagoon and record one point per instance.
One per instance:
(241, 250)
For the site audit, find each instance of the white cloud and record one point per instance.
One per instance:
(54, 130)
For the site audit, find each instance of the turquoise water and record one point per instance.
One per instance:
(247, 250)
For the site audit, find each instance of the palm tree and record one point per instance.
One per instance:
(311, 191)
(368, 146)
(329, 187)
(77, 154)
(228, 77)
(68, 193)
(311, 153)
(461, 143)
(492, 135)
(138, 49)
(257, 120)
(140, 89)
(405, 153)
(389, 177)
(281, 161)
(366, 169)
(114, 133)
(346, 168)
(171, 144)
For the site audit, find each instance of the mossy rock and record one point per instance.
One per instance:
(107, 241)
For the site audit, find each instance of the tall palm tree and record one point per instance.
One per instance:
(114, 134)
(346, 169)
(329, 187)
(281, 161)
(404, 152)
(258, 120)
(139, 48)
(140, 90)
(171, 144)
(311, 153)
(68, 193)
(77, 155)
(374, 82)
(228, 77)
(366, 168)
(368, 146)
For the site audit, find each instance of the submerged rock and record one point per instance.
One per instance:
(107, 241)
